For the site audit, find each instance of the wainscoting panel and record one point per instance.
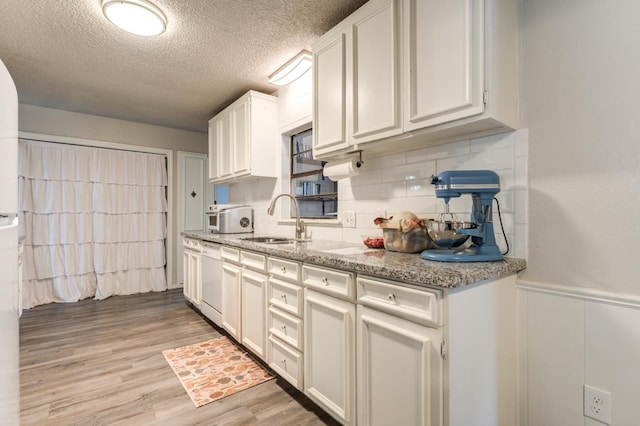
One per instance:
(571, 337)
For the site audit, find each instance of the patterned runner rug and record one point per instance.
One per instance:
(214, 369)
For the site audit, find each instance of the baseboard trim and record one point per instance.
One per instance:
(590, 294)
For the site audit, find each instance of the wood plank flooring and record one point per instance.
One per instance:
(100, 362)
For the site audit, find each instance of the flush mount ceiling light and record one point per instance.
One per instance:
(292, 70)
(135, 16)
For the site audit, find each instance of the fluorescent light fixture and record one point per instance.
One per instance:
(135, 16)
(292, 70)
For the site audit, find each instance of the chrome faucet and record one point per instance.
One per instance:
(299, 223)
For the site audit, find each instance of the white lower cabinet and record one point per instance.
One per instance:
(371, 351)
(399, 371)
(253, 307)
(192, 281)
(330, 354)
(231, 295)
(400, 366)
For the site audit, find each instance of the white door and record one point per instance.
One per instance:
(254, 330)
(193, 190)
(330, 104)
(375, 70)
(214, 141)
(399, 371)
(231, 299)
(225, 144)
(241, 137)
(329, 354)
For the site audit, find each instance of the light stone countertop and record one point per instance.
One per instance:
(404, 267)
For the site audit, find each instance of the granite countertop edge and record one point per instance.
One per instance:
(404, 267)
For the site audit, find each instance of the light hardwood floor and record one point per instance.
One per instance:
(101, 362)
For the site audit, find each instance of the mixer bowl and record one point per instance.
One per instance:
(443, 233)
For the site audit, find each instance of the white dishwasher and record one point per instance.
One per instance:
(211, 274)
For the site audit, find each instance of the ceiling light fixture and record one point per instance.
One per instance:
(135, 16)
(292, 70)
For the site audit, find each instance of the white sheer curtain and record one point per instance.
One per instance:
(94, 222)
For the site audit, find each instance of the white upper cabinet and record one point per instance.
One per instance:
(375, 72)
(443, 61)
(357, 79)
(407, 72)
(243, 139)
(214, 173)
(330, 93)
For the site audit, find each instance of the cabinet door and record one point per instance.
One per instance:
(196, 288)
(231, 299)
(399, 371)
(254, 329)
(225, 144)
(214, 140)
(329, 354)
(186, 274)
(375, 70)
(444, 79)
(241, 137)
(330, 95)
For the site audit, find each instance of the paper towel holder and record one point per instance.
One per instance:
(360, 161)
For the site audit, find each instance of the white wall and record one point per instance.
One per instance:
(581, 99)
(581, 103)
(34, 119)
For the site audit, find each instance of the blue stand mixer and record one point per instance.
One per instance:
(482, 185)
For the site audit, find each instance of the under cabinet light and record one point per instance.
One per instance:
(135, 16)
(292, 70)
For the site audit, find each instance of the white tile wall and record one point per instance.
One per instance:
(398, 182)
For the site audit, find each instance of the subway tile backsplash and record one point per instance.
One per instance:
(400, 181)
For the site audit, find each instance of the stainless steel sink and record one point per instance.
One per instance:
(270, 240)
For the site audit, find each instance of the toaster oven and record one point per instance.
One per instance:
(229, 219)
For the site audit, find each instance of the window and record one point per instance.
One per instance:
(317, 195)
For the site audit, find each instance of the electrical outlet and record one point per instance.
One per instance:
(349, 219)
(597, 404)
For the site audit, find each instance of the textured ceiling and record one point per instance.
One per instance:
(64, 54)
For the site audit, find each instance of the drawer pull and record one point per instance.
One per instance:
(283, 270)
(283, 361)
(283, 297)
(284, 327)
(325, 280)
(391, 297)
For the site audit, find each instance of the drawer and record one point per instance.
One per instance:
(285, 361)
(230, 254)
(286, 327)
(284, 269)
(286, 296)
(329, 281)
(419, 305)
(255, 261)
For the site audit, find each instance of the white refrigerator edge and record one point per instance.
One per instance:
(9, 341)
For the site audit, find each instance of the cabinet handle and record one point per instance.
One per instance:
(283, 296)
(325, 280)
(284, 327)
(392, 297)
(283, 270)
(283, 361)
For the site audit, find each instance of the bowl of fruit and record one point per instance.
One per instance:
(373, 241)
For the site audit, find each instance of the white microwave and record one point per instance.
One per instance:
(229, 219)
